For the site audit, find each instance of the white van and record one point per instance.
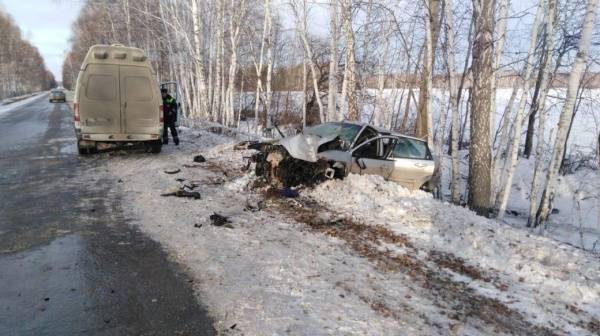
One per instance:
(117, 100)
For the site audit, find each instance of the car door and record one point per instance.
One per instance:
(372, 157)
(99, 101)
(137, 100)
(413, 164)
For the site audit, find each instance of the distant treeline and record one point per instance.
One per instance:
(22, 68)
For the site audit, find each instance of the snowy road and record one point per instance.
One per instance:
(355, 257)
(69, 262)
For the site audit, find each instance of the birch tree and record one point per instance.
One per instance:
(350, 82)
(333, 61)
(481, 92)
(450, 56)
(545, 71)
(513, 152)
(566, 113)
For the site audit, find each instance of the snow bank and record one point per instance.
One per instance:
(555, 272)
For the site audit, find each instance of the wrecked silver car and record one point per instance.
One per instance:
(335, 149)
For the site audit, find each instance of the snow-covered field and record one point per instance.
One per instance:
(360, 256)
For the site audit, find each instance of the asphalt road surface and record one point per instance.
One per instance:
(70, 264)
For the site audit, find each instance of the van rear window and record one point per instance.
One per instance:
(101, 87)
(138, 88)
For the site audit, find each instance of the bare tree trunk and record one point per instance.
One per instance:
(502, 199)
(455, 184)
(501, 33)
(268, 93)
(198, 29)
(303, 31)
(544, 84)
(567, 111)
(350, 73)
(505, 129)
(333, 61)
(479, 152)
(432, 22)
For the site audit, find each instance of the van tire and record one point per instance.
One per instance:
(86, 150)
(155, 146)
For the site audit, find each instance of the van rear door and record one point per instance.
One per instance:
(140, 110)
(100, 104)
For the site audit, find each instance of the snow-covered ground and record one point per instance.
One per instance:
(9, 106)
(360, 256)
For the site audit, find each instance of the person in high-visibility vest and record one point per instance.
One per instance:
(170, 117)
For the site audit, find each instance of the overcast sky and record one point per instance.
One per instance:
(47, 25)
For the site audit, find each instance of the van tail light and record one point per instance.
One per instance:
(161, 114)
(76, 110)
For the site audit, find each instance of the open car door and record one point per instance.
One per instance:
(372, 157)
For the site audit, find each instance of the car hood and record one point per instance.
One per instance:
(305, 146)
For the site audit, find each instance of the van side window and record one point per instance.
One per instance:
(138, 88)
(101, 87)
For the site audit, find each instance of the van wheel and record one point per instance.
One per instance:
(155, 146)
(85, 150)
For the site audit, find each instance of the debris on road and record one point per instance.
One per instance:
(198, 225)
(254, 206)
(199, 159)
(289, 192)
(182, 193)
(218, 220)
(172, 171)
(247, 145)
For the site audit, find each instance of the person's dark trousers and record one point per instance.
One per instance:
(170, 126)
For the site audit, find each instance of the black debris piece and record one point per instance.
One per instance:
(198, 225)
(289, 193)
(233, 326)
(254, 207)
(120, 181)
(218, 220)
(172, 171)
(47, 299)
(246, 145)
(183, 193)
(199, 159)
(179, 179)
(555, 211)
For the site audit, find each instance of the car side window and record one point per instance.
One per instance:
(366, 134)
(378, 149)
(407, 148)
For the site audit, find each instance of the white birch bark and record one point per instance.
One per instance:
(567, 113)
(350, 70)
(450, 53)
(333, 61)
(513, 152)
(199, 61)
(537, 172)
(499, 47)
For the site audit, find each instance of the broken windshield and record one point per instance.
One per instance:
(346, 132)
